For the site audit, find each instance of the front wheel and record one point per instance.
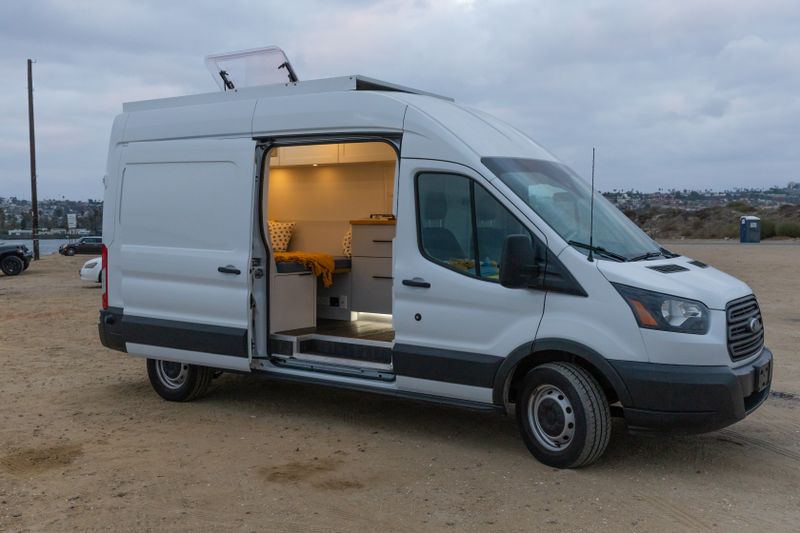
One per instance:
(563, 415)
(12, 265)
(178, 382)
(69, 252)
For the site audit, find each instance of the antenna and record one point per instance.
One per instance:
(591, 214)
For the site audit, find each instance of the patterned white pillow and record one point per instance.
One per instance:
(280, 233)
(347, 243)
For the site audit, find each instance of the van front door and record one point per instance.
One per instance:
(183, 247)
(454, 323)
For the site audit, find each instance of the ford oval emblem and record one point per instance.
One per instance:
(754, 325)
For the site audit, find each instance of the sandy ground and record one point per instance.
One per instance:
(86, 445)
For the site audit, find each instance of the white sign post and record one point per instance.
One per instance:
(72, 221)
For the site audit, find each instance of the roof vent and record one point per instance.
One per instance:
(668, 269)
(698, 264)
(246, 68)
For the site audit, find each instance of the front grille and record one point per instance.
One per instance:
(745, 328)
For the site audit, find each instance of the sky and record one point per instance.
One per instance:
(673, 94)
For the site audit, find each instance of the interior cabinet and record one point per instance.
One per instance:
(372, 267)
(326, 154)
(365, 152)
(321, 154)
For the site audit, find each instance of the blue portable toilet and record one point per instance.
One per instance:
(749, 229)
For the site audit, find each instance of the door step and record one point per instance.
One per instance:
(355, 350)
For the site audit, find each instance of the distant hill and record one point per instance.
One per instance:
(717, 222)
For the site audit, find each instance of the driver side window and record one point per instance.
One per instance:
(461, 226)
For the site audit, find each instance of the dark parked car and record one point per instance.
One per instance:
(84, 245)
(14, 258)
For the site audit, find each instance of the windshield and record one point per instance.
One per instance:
(562, 199)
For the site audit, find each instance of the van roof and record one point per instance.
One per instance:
(433, 126)
(354, 82)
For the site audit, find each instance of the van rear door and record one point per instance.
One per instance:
(183, 249)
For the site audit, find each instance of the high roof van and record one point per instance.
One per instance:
(355, 233)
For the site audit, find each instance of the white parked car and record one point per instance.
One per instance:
(92, 269)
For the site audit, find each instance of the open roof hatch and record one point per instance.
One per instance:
(246, 68)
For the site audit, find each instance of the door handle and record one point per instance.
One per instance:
(417, 282)
(230, 269)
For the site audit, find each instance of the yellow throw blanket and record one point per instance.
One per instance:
(321, 265)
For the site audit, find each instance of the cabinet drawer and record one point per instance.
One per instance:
(371, 289)
(372, 241)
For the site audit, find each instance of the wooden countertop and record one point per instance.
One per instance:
(373, 222)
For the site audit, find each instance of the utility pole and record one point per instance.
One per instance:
(34, 198)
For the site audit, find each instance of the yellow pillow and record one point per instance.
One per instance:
(280, 233)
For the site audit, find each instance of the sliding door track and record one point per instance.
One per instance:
(332, 368)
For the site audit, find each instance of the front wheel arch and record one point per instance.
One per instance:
(514, 368)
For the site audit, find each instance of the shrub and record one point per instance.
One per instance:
(788, 229)
(739, 205)
(767, 228)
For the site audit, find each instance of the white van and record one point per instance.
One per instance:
(358, 234)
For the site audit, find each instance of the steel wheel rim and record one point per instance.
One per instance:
(172, 375)
(551, 417)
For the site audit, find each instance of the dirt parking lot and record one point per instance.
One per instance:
(86, 445)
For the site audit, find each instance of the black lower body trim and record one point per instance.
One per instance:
(110, 329)
(117, 329)
(463, 368)
(347, 350)
(693, 399)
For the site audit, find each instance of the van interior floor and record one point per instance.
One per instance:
(376, 330)
(359, 342)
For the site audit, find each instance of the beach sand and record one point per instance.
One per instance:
(86, 445)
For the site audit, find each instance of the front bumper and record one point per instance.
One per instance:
(693, 399)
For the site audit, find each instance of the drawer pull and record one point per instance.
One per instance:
(382, 277)
(381, 240)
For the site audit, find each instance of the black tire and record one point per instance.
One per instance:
(12, 265)
(69, 252)
(563, 415)
(178, 382)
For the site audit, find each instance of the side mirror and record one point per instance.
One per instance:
(518, 266)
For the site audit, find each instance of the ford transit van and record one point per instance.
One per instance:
(358, 234)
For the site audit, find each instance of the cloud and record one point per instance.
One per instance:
(683, 94)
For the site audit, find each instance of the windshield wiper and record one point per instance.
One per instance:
(662, 252)
(599, 250)
(648, 255)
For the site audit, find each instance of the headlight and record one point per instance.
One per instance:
(90, 265)
(654, 310)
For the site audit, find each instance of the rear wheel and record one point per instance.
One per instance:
(178, 382)
(69, 251)
(12, 265)
(563, 415)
